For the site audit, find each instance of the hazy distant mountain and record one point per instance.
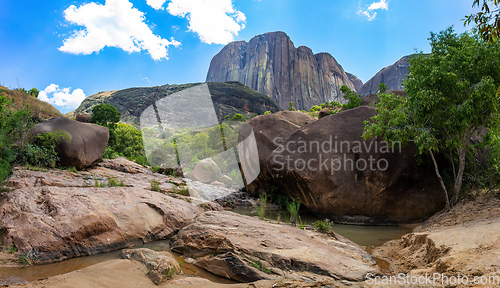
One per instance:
(271, 64)
(390, 75)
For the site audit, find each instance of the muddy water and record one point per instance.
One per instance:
(369, 236)
(18, 275)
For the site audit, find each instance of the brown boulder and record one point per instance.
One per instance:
(86, 145)
(161, 265)
(269, 130)
(332, 170)
(206, 171)
(83, 117)
(247, 249)
(324, 112)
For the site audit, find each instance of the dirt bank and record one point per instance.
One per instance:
(464, 241)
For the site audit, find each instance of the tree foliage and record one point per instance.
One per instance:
(34, 92)
(487, 20)
(105, 114)
(354, 100)
(451, 93)
(238, 117)
(14, 126)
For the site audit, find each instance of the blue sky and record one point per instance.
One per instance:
(73, 49)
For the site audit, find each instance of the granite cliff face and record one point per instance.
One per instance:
(390, 75)
(271, 64)
(358, 84)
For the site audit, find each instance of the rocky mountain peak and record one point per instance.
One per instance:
(271, 64)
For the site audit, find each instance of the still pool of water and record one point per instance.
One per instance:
(19, 275)
(369, 236)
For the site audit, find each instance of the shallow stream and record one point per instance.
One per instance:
(368, 236)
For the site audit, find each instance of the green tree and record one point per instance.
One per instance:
(291, 106)
(34, 92)
(105, 114)
(451, 93)
(354, 100)
(487, 20)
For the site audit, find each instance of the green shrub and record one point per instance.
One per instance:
(42, 153)
(155, 185)
(293, 207)
(238, 117)
(267, 112)
(259, 265)
(99, 184)
(181, 190)
(323, 226)
(261, 209)
(315, 108)
(14, 128)
(12, 249)
(113, 183)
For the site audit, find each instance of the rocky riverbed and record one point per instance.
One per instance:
(54, 215)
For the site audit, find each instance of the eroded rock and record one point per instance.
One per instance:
(247, 249)
(161, 265)
(50, 222)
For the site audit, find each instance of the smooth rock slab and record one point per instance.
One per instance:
(247, 249)
(49, 224)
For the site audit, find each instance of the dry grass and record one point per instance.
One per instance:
(39, 108)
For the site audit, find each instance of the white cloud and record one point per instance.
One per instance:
(215, 21)
(381, 5)
(156, 4)
(114, 24)
(62, 97)
(367, 14)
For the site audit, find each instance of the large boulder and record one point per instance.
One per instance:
(247, 249)
(206, 171)
(83, 117)
(332, 170)
(270, 131)
(56, 215)
(86, 144)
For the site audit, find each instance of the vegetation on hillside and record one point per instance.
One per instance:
(20, 99)
(168, 148)
(18, 113)
(229, 98)
(451, 94)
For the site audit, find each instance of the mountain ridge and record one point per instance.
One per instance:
(229, 98)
